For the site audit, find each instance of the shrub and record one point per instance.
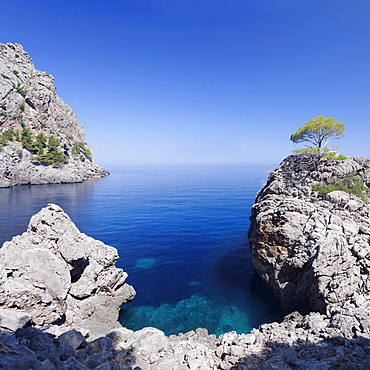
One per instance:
(55, 157)
(19, 89)
(334, 155)
(79, 147)
(26, 138)
(351, 184)
(53, 143)
(6, 136)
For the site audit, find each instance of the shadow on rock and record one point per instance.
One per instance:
(332, 353)
(30, 348)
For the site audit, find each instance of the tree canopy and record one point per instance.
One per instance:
(318, 132)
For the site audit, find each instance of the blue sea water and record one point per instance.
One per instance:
(181, 233)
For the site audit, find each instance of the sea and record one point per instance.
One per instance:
(181, 234)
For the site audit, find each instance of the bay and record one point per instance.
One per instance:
(181, 233)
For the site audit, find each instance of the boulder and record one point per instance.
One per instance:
(60, 276)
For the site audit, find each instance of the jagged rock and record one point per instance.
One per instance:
(312, 341)
(311, 250)
(28, 100)
(59, 275)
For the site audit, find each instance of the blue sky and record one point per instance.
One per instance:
(200, 81)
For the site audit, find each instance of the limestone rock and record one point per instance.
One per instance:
(305, 342)
(61, 276)
(28, 101)
(13, 320)
(312, 250)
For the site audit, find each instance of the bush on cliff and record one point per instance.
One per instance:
(351, 184)
(53, 156)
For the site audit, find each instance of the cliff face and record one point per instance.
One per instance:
(41, 141)
(312, 249)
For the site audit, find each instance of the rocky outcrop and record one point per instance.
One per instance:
(63, 277)
(312, 250)
(299, 342)
(54, 280)
(29, 107)
(18, 168)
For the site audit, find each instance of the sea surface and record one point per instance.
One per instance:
(181, 233)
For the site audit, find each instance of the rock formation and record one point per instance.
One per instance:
(312, 249)
(54, 280)
(299, 342)
(58, 275)
(40, 139)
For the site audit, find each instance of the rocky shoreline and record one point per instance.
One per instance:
(292, 251)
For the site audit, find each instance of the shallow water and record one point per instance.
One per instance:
(181, 236)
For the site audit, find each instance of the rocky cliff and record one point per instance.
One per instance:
(54, 280)
(310, 234)
(40, 139)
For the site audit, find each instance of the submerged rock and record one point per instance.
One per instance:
(61, 276)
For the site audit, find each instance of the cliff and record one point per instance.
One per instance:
(60, 294)
(40, 139)
(310, 234)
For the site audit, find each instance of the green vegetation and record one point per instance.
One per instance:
(3, 113)
(333, 155)
(21, 107)
(351, 184)
(317, 132)
(26, 138)
(8, 135)
(80, 147)
(15, 72)
(36, 145)
(5, 76)
(21, 90)
(53, 156)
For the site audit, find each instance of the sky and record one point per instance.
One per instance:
(201, 81)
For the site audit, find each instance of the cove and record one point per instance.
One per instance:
(181, 236)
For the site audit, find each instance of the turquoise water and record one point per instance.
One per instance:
(181, 236)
